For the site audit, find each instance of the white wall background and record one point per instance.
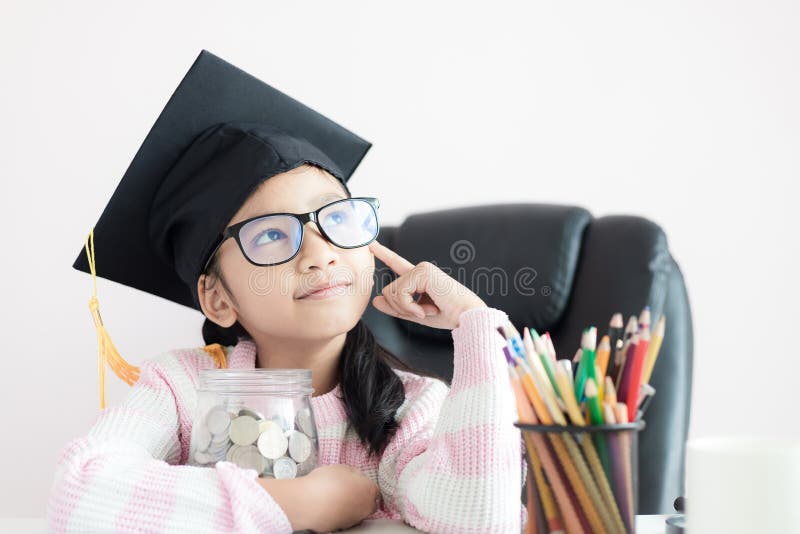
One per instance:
(682, 112)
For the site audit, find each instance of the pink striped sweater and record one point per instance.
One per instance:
(454, 464)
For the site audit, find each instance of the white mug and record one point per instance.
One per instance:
(742, 485)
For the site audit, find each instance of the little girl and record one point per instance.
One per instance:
(280, 291)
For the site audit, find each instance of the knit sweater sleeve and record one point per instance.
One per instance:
(124, 475)
(455, 463)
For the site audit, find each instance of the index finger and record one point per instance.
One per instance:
(392, 259)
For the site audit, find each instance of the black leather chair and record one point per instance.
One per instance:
(559, 269)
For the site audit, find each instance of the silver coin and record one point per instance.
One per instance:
(252, 413)
(299, 446)
(218, 421)
(244, 430)
(220, 452)
(237, 454)
(217, 442)
(272, 443)
(231, 451)
(304, 422)
(217, 448)
(284, 467)
(307, 466)
(217, 458)
(205, 458)
(233, 454)
(202, 438)
(248, 457)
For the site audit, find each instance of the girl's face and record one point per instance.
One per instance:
(269, 301)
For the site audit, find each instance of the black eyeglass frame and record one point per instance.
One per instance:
(233, 230)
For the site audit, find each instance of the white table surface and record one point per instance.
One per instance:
(645, 524)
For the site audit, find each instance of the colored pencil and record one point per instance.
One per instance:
(526, 415)
(621, 355)
(623, 377)
(646, 394)
(554, 525)
(529, 338)
(617, 462)
(598, 418)
(615, 332)
(635, 378)
(603, 355)
(621, 412)
(610, 392)
(551, 350)
(600, 488)
(653, 350)
(644, 317)
(573, 474)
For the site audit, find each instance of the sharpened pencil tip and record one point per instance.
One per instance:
(590, 388)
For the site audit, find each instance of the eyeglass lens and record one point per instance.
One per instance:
(276, 238)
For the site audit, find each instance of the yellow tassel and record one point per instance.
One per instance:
(218, 353)
(107, 352)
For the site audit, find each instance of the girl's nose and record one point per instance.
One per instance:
(316, 251)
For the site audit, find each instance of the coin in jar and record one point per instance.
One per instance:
(299, 446)
(284, 467)
(244, 430)
(222, 446)
(248, 457)
(252, 413)
(202, 457)
(304, 422)
(272, 443)
(218, 420)
(202, 438)
(231, 451)
(307, 466)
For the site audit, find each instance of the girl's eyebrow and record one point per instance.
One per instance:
(331, 196)
(322, 199)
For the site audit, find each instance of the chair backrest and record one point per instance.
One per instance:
(556, 268)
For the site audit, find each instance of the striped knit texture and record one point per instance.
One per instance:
(455, 463)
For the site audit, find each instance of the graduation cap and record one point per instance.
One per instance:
(221, 134)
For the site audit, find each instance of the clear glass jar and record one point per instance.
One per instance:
(256, 418)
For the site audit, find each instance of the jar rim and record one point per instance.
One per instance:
(259, 380)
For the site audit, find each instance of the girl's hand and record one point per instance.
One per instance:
(339, 496)
(442, 299)
(331, 497)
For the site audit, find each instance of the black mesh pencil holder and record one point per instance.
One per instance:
(582, 478)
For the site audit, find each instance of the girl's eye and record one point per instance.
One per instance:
(337, 218)
(269, 236)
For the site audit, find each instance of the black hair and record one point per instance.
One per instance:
(371, 391)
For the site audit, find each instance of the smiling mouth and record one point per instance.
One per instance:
(328, 292)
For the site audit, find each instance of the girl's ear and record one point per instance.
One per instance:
(214, 303)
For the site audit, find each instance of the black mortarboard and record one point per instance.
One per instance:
(221, 134)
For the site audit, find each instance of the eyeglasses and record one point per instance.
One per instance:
(276, 238)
